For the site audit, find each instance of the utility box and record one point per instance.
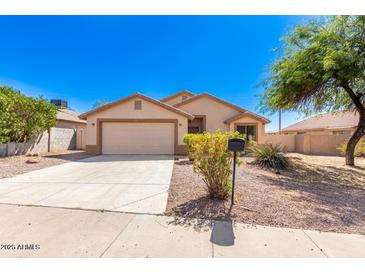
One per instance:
(236, 144)
(59, 103)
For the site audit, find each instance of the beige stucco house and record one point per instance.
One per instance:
(138, 124)
(70, 130)
(318, 135)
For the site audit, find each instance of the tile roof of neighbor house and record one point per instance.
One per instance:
(68, 115)
(182, 92)
(326, 121)
(139, 95)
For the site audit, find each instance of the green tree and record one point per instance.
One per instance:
(100, 103)
(22, 117)
(321, 69)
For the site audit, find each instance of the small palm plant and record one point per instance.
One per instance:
(269, 156)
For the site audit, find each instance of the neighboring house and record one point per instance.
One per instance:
(326, 124)
(69, 133)
(318, 135)
(138, 124)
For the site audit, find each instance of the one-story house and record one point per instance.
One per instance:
(138, 124)
(343, 123)
(318, 135)
(70, 131)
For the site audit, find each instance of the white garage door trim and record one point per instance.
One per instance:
(138, 136)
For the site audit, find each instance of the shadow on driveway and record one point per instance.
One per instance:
(116, 158)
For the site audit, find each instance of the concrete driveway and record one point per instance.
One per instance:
(122, 183)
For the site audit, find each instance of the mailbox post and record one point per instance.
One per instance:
(235, 145)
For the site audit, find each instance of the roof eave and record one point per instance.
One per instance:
(124, 99)
(205, 94)
(72, 121)
(239, 116)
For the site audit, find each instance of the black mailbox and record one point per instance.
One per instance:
(236, 144)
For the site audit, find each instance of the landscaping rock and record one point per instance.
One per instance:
(320, 193)
(33, 161)
(11, 166)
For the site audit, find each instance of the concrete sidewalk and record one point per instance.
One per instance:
(57, 232)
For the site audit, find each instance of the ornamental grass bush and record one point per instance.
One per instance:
(212, 160)
(359, 149)
(269, 156)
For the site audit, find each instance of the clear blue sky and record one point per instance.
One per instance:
(86, 58)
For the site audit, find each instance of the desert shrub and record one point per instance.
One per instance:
(269, 156)
(188, 141)
(212, 160)
(248, 146)
(359, 149)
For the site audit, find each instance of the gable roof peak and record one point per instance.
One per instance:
(142, 96)
(206, 94)
(181, 92)
(247, 113)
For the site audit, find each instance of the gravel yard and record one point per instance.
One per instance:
(319, 193)
(11, 166)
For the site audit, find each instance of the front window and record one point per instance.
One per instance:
(138, 105)
(249, 131)
(193, 129)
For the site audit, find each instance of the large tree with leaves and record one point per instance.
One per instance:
(321, 69)
(22, 117)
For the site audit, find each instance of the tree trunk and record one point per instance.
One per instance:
(355, 138)
(360, 131)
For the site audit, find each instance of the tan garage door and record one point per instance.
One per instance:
(137, 138)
